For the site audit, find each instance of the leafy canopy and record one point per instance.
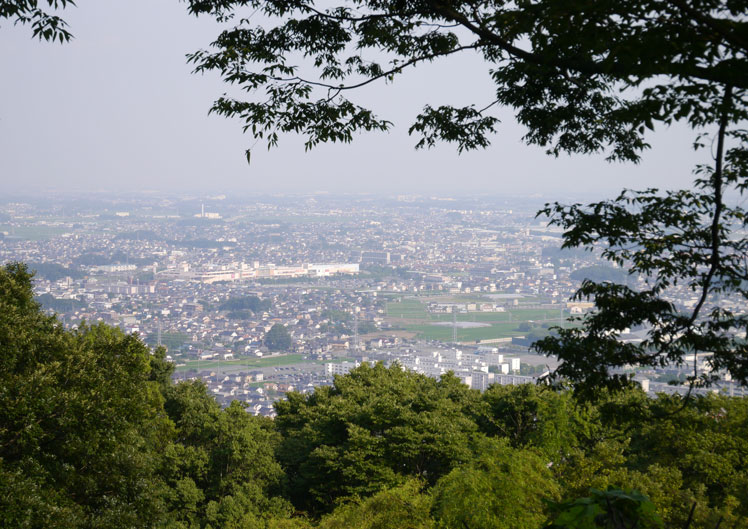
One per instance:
(93, 433)
(278, 338)
(503, 488)
(612, 509)
(45, 24)
(80, 421)
(581, 76)
(370, 430)
(252, 303)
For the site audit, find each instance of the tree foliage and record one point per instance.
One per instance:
(94, 434)
(369, 431)
(54, 271)
(252, 303)
(45, 23)
(532, 416)
(49, 302)
(503, 488)
(682, 240)
(569, 70)
(612, 509)
(79, 420)
(278, 338)
(401, 507)
(222, 469)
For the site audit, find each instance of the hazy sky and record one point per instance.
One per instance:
(117, 109)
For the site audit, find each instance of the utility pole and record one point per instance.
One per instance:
(355, 331)
(454, 324)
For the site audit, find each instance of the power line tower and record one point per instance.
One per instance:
(454, 324)
(159, 333)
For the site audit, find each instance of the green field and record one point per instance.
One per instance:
(415, 309)
(502, 324)
(248, 362)
(513, 315)
(407, 308)
(434, 332)
(484, 317)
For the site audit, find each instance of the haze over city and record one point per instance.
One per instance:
(117, 109)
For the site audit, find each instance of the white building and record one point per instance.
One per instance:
(342, 368)
(480, 380)
(324, 270)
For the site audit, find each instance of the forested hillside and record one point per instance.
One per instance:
(93, 433)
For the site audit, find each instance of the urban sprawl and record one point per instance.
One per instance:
(265, 295)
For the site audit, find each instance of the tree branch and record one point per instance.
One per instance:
(715, 24)
(717, 183)
(724, 75)
(395, 70)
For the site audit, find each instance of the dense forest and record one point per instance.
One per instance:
(94, 433)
